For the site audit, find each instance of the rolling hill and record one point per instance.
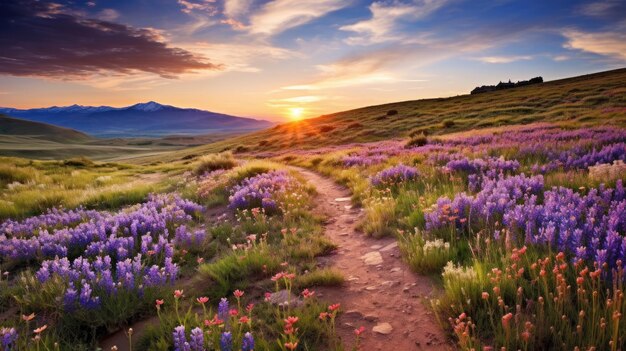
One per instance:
(36, 130)
(593, 99)
(149, 119)
(28, 139)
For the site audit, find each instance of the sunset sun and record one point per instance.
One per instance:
(295, 113)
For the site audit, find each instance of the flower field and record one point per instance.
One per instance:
(75, 275)
(523, 228)
(529, 240)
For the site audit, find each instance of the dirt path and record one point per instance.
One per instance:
(380, 292)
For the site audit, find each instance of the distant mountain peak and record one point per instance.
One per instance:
(149, 106)
(143, 119)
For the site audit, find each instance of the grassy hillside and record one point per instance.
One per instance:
(21, 138)
(28, 129)
(594, 99)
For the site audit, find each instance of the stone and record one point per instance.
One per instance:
(383, 328)
(390, 283)
(370, 288)
(395, 269)
(342, 199)
(371, 317)
(283, 298)
(353, 314)
(389, 247)
(373, 258)
(376, 247)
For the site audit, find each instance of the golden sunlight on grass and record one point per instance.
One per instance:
(295, 113)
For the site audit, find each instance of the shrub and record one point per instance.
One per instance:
(241, 149)
(448, 123)
(418, 140)
(392, 112)
(424, 256)
(188, 157)
(418, 131)
(326, 128)
(354, 125)
(78, 162)
(316, 161)
(213, 162)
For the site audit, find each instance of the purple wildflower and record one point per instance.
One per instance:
(197, 339)
(226, 342)
(248, 342)
(394, 175)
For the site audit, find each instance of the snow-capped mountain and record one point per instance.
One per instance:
(142, 119)
(148, 106)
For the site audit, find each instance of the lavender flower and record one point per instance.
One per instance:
(261, 191)
(197, 339)
(129, 238)
(248, 342)
(394, 175)
(180, 339)
(223, 309)
(9, 338)
(226, 342)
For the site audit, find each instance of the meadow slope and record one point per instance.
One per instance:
(594, 99)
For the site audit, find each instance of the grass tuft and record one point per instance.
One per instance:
(213, 162)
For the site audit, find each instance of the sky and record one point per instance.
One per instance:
(283, 59)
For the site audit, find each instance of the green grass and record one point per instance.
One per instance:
(320, 277)
(214, 162)
(29, 188)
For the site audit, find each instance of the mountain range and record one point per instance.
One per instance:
(149, 119)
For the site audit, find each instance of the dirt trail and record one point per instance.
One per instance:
(379, 286)
(380, 292)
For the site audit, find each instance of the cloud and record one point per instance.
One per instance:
(280, 15)
(503, 59)
(108, 15)
(207, 6)
(41, 39)
(233, 23)
(603, 8)
(611, 44)
(389, 64)
(381, 27)
(560, 58)
(236, 8)
(246, 57)
(372, 67)
(301, 99)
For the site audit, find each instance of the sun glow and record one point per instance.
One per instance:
(295, 113)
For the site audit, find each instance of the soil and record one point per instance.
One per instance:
(380, 292)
